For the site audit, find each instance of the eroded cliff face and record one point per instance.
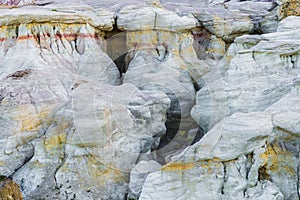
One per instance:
(150, 100)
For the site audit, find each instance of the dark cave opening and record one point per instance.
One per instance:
(116, 48)
(121, 63)
(173, 125)
(172, 122)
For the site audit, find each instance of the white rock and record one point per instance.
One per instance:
(223, 23)
(265, 190)
(289, 24)
(149, 18)
(232, 137)
(53, 83)
(139, 174)
(193, 184)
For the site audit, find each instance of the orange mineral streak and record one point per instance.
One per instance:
(208, 166)
(100, 174)
(178, 166)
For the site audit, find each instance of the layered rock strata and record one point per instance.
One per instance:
(149, 100)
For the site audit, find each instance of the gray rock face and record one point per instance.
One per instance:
(263, 17)
(146, 65)
(262, 160)
(289, 24)
(219, 142)
(96, 95)
(265, 190)
(149, 18)
(80, 142)
(224, 23)
(16, 3)
(159, 65)
(73, 134)
(128, 123)
(138, 175)
(270, 63)
(184, 183)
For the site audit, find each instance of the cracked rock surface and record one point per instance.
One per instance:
(149, 99)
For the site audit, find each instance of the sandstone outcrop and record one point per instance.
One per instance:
(149, 99)
(239, 158)
(61, 79)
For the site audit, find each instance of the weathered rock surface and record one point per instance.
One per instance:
(270, 63)
(224, 23)
(95, 158)
(62, 125)
(164, 60)
(96, 95)
(288, 8)
(150, 18)
(9, 190)
(219, 142)
(289, 24)
(242, 89)
(158, 67)
(139, 174)
(16, 2)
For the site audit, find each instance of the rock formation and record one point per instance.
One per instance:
(9, 189)
(150, 99)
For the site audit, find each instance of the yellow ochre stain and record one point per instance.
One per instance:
(289, 8)
(2, 164)
(31, 120)
(276, 159)
(55, 141)
(178, 166)
(100, 173)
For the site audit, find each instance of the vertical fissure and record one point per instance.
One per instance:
(224, 178)
(298, 181)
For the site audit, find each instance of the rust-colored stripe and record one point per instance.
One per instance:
(58, 35)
